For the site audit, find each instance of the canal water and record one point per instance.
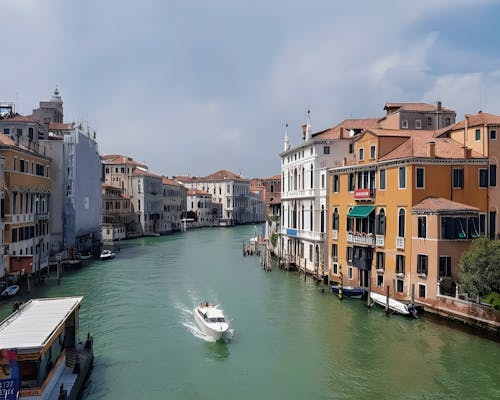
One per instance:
(290, 341)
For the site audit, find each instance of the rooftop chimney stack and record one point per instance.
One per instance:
(431, 149)
(439, 106)
(467, 152)
(304, 131)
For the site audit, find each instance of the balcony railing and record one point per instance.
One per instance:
(41, 216)
(380, 240)
(303, 234)
(367, 240)
(292, 194)
(400, 243)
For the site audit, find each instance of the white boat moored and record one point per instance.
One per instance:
(211, 320)
(107, 255)
(10, 291)
(394, 305)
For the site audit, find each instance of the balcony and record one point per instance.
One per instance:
(400, 243)
(364, 194)
(41, 216)
(303, 234)
(364, 240)
(335, 234)
(303, 193)
(380, 240)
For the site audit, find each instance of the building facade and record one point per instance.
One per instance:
(147, 200)
(375, 201)
(229, 189)
(174, 205)
(25, 212)
(199, 204)
(304, 195)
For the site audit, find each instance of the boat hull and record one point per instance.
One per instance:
(349, 291)
(394, 305)
(10, 291)
(216, 332)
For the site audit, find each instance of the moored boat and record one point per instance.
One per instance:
(394, 305)
(211, 320)
(10, 291)
(46, 362)
(107, 255)
(349, 291)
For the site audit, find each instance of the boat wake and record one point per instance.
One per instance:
(187, 320)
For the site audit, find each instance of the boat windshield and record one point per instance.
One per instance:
(216, 319)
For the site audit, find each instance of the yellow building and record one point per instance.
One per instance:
(371, 201)
(25, 208)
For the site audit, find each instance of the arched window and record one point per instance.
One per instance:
(380, 223)
(303, 177)
(295, 179)
(312, 176)
(322, 218)
(311, 218)
(335, 219)
(294, 216)
(302, 218)
(401, 223)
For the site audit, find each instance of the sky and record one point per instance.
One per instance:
(190, 87)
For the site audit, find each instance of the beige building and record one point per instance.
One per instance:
(174, 205)
(199, 205)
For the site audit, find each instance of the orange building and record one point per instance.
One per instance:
(25, 208)
(480, 133)
(373, 203)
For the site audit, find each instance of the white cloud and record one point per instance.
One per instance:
(194, 87)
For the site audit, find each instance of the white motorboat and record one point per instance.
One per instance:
(211, 320)
(10, 291)
(394, 305)
(107, 255)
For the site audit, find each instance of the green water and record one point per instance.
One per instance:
(290, 340)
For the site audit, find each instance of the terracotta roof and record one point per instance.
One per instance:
(342, 129)
(141, 172)
(195, 192)
(222, 174)
(184, 178)
(58, 126)
(396, 132)
(478, 119)
(20, 118)
(6, 140)
(440, 204)
(413, 107)
(417, 146)
(171, 182)
(119, 159)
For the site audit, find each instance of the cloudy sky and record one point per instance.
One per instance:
(190, 87)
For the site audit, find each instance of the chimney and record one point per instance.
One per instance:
(467, 152)
(439, 106)
(431, 149)
(341, 135)
(304, 131)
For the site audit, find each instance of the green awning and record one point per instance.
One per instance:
(360, 211)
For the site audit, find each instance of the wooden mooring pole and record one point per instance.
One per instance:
(387, 300)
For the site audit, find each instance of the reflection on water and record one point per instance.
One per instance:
(217, 351)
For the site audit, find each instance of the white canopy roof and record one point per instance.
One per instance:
(34, 323)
